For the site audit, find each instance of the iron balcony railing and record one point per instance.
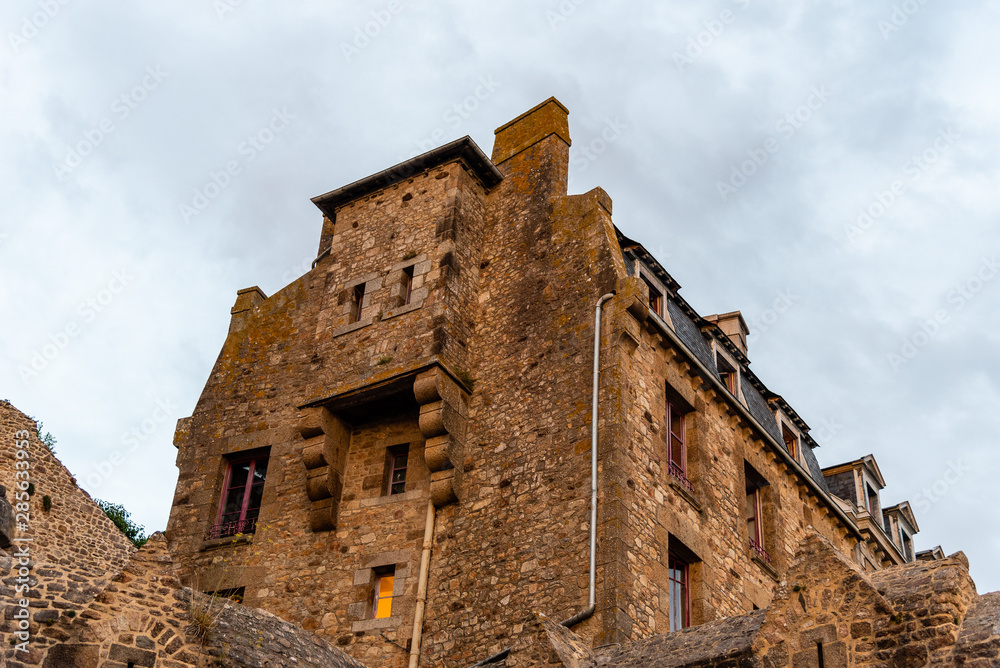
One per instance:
(227, 529)
(678, 474)
(759, 550)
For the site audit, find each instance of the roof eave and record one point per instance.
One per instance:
(464, 149)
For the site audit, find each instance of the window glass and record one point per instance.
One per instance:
(240, 505)
(395, 469)
(384, 583)
(677, 593)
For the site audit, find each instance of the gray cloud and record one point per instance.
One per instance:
(784, 229)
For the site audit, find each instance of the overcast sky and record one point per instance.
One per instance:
(157, 157)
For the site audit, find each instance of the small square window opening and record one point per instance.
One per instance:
(407, 291)
(385, 579)
(395, 469)
(359, 300)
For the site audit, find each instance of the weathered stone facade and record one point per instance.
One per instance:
(827, 613)
(74, 549)
(96, 602)
(450, 313)
(409, 425)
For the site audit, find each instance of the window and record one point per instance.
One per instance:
(407, 285)
(359, 300)
(395, 469)
(655, 298)
(754, 529)
(678, 592)
(907, 543)
(242, 492)
(872, 500)
(677, 445)
(755, 513)
(727, 373)
(385, 579)
(791, 442)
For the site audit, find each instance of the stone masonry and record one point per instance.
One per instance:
(450, 315)
(390, 465)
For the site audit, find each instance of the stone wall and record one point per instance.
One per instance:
(658, 512)
(74, 551)
(826, 614)
(485, 376)
(300, 347)
(145, 618)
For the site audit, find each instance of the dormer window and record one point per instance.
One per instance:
(872, 500)
(907, 545)
(726, 372)
(791, 442)
(655, 298)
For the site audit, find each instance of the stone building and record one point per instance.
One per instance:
(395, 449)
(77, 594)
(485, 411)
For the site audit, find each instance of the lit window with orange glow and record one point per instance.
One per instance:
(384, 582)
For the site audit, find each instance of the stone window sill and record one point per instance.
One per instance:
(686, 495)
(400, 310)
(391, 622)
(764, 566)
(412, 495)
(353, 327)
(228, 541)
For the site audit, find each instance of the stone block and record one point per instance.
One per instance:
(73, 656)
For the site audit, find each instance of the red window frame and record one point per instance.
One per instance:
(755, 523)
(791, 442)
(678, 592)
(727, 373)
(655, 298)
(245, 520)
(677, 437)
(754, 528)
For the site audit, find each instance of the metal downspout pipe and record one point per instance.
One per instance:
(425, 560)
(592, 599)
(587, 612)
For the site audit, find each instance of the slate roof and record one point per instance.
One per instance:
(759, 408)
(689, 333)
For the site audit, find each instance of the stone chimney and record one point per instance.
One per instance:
(734, 326)
(533, 149)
